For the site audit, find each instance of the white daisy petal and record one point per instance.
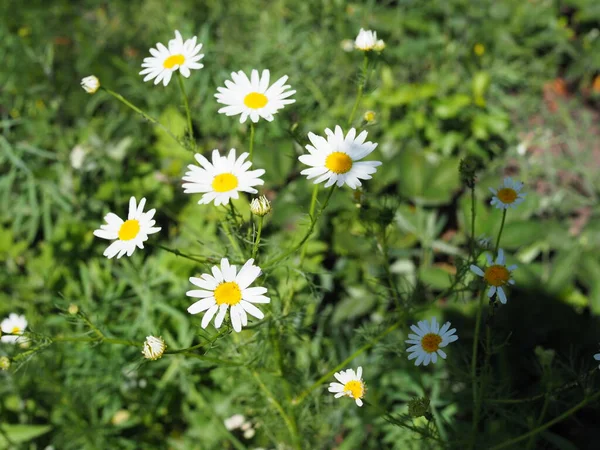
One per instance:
(222, 179)
(427, 347)
(334, 159)
(222, 291)
(180, 55)
(127, 235)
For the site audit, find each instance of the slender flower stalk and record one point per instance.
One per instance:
(187, 109)
(257, 239)
(311, 211)
(251, 146)
(145, 115)
(361, 86)
(295, 248)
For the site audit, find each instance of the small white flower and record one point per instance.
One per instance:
(350, 385)
(253, 97)
(131, 233)
(223, 179)
(366, 40)
(15, 325)
(428, 341)
(597, 358)
(234, 422)
(337, 158)
(180, 55)
(508, 195)
(260, 206)
(90, 84)
(249, 433)
(227, 288)
(496, 275)
(154, 347)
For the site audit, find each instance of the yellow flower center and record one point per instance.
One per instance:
(224, 182)
(496, 275)
(256, 100)
(173, 60)
(129, 230)
(507, 195)
(15, 330)
(229, 293)
(431, 342)
(338, 162)
(356, 388)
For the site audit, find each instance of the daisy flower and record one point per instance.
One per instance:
(131, 233)
(428, 341)
(253, 97)
(90, 84)
(367, 41)
(508, 195)
(227, 288)
(222, 179)
(337, 158)
(14, 325)
(179, 55)
(350, 385)
(496, 275)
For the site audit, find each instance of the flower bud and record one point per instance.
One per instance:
(260, 206)
(379, 45)
(154, 347)
(73, 309)
(369, 116)
(90, 84)
(4, 363)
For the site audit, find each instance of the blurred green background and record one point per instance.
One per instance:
(513, 82)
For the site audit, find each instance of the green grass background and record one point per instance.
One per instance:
(436, 102)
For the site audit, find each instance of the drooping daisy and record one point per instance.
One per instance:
(252, 97)
(154, 347)
(90, 84)
(508, 195)
(429, 341)
(350, 385)
(337, 158)
(496, 275)
(131, 233)
(367, 40)
(180, 55)
(223, 179)
(227, 288)
(15, 325)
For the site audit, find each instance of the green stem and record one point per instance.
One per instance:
(232, 240)
(343, 364)
(474, 380)
(314, 221)
(361, 86)
(500, 232)
(290, 423)
(472, 252)
(211, 341)
(567, 386)
(184, 255)
(533, 438)
(143, 114)
(313, 203)
(388, 270)
(187, 108)
(548, 424)
(251, 147)
(257, 240)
